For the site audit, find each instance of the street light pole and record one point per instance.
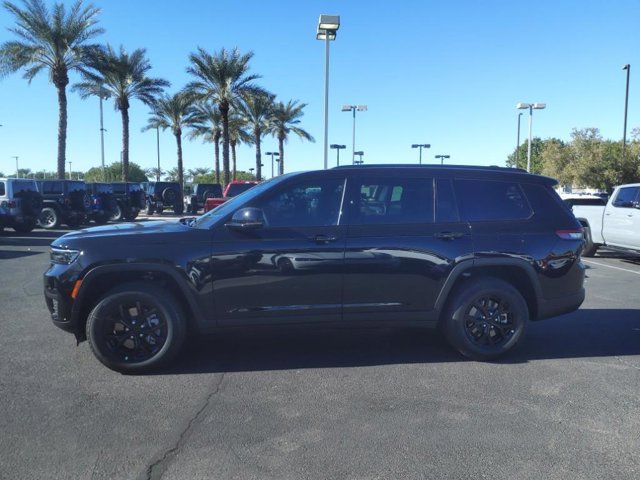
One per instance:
(327, 27)
(102, 130)
(359, 161)
(158, 150)
(442, 157)
(277, 154)
(420, 146)
(354, 108)
(531, 107)
(627, 67)
(518, 140)
(338, 148)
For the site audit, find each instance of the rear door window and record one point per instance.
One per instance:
(2, 189)
(627, 197)
(490, 200)
(380, 201)
(446, 208)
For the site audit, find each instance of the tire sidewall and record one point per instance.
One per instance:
(454, 327)
(165, 304)
(56, 215)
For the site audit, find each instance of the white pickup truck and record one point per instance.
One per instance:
(614, 224)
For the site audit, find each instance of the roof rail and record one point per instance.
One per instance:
(432, 166)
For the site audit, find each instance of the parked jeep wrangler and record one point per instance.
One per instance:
(103, 203)
(200, 193)
(161, 195)
(64, 201)
(477, 252)
(20, 204)
(130, 200)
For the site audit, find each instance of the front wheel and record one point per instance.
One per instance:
(136, 328)
(485, 318)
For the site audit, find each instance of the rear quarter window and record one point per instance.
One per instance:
(546, 203)
(491, 200)
(2, 189)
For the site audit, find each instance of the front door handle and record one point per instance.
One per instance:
(448, 235)
(324, 238)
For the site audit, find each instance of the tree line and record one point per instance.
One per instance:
(587, 160)
(222, 104)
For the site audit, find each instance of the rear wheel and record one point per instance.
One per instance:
(25, 227)
(49, 218)
(485, 318)
(117, 214)
(149, 210)
(590, 248)
(136, 328)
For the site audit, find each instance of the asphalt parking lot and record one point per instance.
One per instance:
(323, 404)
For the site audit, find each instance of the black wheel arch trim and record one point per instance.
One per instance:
(466, 265)
(96, 272)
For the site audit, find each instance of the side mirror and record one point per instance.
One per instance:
(248, 218)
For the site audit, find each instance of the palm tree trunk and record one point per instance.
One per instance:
(62, 130)
(125, 144)
(216, 141)
(281, 152)
(256, 139)
(233, 160)
(180, 168)
(224, 111)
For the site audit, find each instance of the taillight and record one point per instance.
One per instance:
(97, 202)
(573, 234)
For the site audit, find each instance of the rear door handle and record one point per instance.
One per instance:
(448, 235)
(324, 238)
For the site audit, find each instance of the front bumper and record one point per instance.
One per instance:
(59, 304)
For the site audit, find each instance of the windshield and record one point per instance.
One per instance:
(238, 188)
(103, 188)
(212, 216)
(24, 186)
(76, 186)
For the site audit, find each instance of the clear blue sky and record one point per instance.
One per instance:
(445, 73)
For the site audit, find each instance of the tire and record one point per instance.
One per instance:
(160, 210)
(49, 218)
(462, 322)
(117, 214)
(73, 222)
(179, 210)
(25, 227)
(590, 248)
(149, 211)
(132, 216)
(133, 355)
(101, 219)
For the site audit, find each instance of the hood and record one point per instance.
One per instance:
(152, 231)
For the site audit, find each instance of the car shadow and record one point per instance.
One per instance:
(36, 238)
(582, 334)
(623, 257)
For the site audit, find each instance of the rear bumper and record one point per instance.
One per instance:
(558, 306)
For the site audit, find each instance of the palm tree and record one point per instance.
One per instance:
(223, 79)
(55, 40)
(256, 110)
(208, 125)
(284, 120)
(171, 175)
(154, 172)
(121, 76)
(194, 173)
(237, 134)
(175, 112)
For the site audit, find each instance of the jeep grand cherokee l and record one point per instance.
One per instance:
(477, 252)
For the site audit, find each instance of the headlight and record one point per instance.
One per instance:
(64, 257)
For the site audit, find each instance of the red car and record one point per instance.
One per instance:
(234, 188)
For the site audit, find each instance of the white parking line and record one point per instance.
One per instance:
(611, 266)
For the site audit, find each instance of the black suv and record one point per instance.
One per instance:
(64, 201)
(103, 203)
(477, 252)
(199, 195)
(161, 195)
(130, 200)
